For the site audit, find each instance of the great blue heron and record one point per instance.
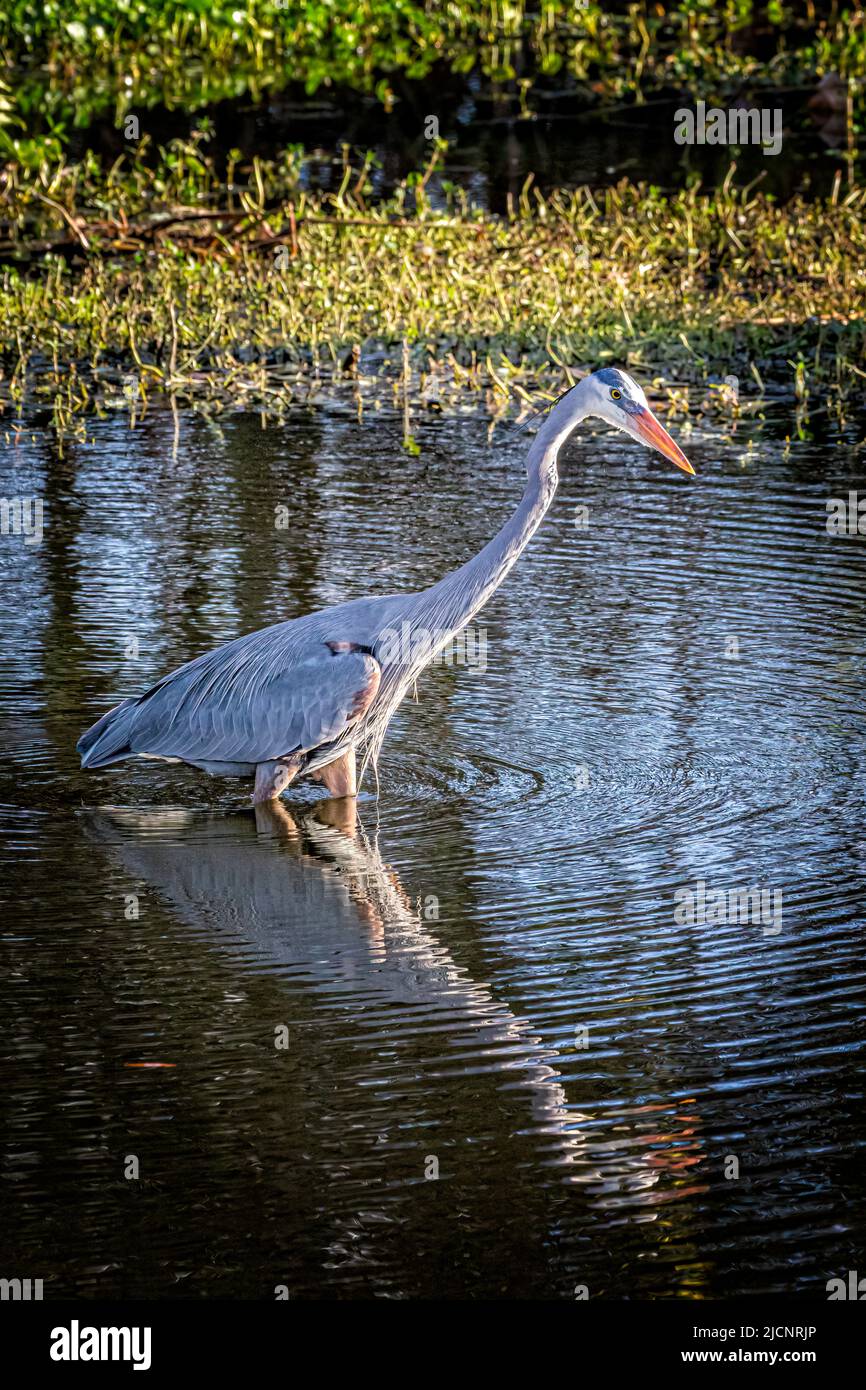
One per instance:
(300, 697)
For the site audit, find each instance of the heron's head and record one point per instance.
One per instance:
(615, 397)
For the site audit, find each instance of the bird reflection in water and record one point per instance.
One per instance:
(307, 889)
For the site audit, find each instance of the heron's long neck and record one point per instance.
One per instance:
(457, 597)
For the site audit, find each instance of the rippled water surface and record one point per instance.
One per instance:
(488, 973)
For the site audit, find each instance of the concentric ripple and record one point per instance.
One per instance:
(593, 960)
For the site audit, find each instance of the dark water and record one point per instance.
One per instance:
(494, 146)
(488, 971)
(494, 150)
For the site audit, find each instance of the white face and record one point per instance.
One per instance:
(614, 396)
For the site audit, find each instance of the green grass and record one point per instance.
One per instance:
(275, 295)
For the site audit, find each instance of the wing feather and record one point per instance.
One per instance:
(287, 689)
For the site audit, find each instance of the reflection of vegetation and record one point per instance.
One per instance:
(253, 290)
(80, 58)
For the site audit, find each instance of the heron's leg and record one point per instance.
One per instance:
(340, 777)
(271, 779)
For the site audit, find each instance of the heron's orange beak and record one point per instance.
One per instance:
(648, 429)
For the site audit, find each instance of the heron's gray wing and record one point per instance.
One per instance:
(256, 699)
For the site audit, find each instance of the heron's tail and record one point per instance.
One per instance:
(107, 741)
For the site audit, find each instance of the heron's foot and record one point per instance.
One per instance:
(340, 776)
(272, 778)
(272, 818)
(339, 815)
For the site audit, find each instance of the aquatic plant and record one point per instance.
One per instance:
(141, 280)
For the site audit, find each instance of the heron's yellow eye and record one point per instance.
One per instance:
(615, 394)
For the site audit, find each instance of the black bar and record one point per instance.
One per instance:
(237, 1338)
